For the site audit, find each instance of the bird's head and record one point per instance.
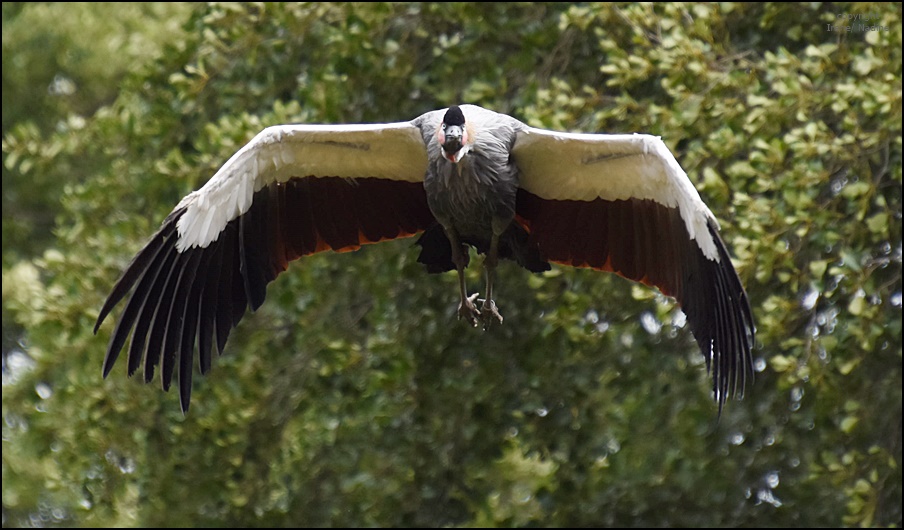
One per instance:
(453, 135)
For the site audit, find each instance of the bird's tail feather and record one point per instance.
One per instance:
(514, 245)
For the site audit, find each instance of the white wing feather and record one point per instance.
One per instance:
(571, 166)
(393, 151)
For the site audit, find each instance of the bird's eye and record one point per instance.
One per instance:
(444, 126)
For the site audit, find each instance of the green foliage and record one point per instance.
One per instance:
(61, 63)
(353, 397)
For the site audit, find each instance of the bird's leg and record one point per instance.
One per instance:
(488, 311)
(466, 307)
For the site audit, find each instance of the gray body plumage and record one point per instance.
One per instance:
(471, 185)
(476, 196)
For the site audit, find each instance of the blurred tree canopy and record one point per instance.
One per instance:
(353, 397)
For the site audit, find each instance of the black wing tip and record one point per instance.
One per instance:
(116, 293)
(134, 272)
(159, 284)
(184, 394)
(730, 353)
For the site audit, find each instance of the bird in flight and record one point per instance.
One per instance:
(456, 177)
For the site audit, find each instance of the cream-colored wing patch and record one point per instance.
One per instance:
(585, 167)
(393, 151)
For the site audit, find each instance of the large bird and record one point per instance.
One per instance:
(458, 176)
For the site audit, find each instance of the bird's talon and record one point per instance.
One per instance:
(489, 312)
(468, 310)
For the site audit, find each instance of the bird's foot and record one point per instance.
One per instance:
(489, 313)
(468, 310)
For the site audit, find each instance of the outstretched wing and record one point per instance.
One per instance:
(622, 203)
(292, 191)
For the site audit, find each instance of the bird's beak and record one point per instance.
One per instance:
(454, 148)
(453, 139)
